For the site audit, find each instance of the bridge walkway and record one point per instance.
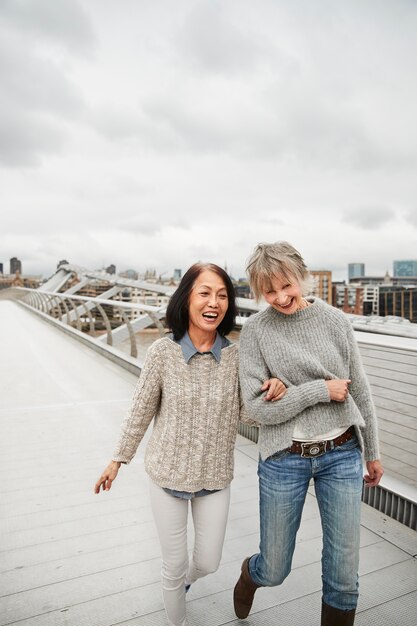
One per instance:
(72, 558)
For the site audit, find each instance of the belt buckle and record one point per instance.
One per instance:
(313, 449)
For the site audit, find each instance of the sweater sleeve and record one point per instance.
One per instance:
(244, 416)
(254, 371)
(144, 405)
(360, 391)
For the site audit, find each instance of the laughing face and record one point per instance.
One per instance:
(208, 302)
(283, 295)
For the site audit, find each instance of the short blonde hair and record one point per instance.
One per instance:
(277, 259)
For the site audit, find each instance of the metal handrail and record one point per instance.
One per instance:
(45, 301)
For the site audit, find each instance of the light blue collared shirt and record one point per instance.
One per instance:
(189, 350)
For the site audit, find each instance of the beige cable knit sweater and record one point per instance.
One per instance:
(196, 408)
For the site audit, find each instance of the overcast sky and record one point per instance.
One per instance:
(154, 133)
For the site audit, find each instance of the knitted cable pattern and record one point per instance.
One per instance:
(195, 409)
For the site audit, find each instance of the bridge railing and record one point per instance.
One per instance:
(93, 315)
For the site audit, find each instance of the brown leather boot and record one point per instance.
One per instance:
(244, 592)
(336, 617)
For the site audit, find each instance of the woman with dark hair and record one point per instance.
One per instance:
(189, 384)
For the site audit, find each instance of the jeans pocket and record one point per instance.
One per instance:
(277, 456)
(348, 445)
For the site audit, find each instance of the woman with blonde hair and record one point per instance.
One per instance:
(317, 430)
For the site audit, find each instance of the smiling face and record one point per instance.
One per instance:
(283, 295)
(208, 303)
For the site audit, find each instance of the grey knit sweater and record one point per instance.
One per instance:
(304, 350)
(196, 408)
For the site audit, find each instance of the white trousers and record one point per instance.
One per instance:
(171, 515)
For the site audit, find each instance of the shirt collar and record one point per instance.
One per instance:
(189, 349)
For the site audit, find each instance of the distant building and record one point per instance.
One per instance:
(141, 296)
(17, 280)
(399, 301)
(131, 274)
(349, 298)
(94, 288)
(356, 270)
(405, 268)
(370, 300)
(1, 268)
(372, 280)
(379, 295)
(177, 275)
(150, 274)
(404, 281)
(15, 265)
(242, 288)
(111, 269)
(323, 285)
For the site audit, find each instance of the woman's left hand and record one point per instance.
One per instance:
(275, 389)
(375, 472)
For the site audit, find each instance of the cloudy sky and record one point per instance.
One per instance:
(154, 133)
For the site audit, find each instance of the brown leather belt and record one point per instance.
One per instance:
(311, 449)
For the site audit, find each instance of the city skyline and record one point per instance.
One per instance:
(113, 269)
(152, 135)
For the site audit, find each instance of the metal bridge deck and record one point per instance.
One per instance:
(69, 557)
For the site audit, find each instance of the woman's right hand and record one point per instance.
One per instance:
(275, 389)
(338, 389)
(107, 477)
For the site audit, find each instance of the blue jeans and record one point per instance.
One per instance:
(283, 482)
